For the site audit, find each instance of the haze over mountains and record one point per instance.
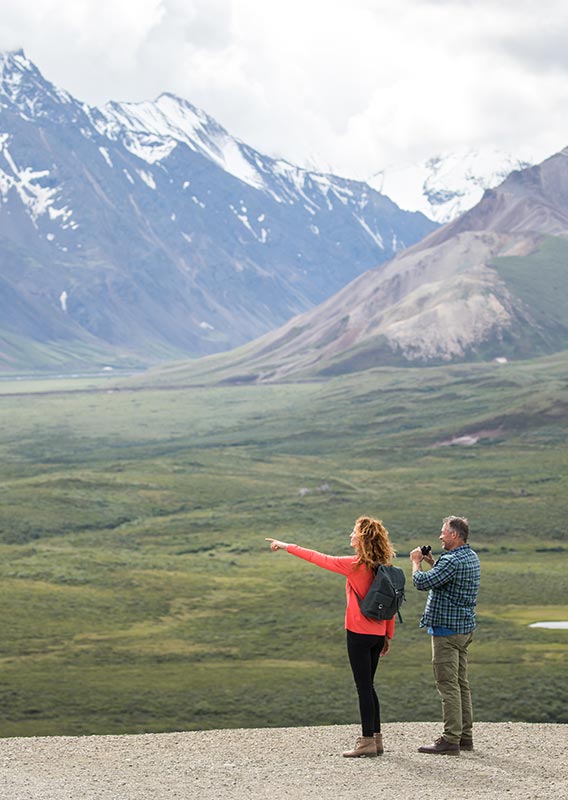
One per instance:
(492, 284)
(140, 232)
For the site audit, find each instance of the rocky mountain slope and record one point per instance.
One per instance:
(143, 231)
(493, 284)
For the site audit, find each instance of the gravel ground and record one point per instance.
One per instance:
(510, 760)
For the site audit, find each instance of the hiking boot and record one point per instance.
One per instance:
(441, 747)
(365, 747)
(466, 744)
(379, 743)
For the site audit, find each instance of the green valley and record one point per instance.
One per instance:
(137, 591)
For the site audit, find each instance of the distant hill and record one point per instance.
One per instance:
(140, 232)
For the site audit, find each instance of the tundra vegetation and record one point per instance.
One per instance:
(138, 594)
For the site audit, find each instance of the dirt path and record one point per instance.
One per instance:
(510, 760)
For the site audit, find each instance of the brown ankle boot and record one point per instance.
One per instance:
(379, 743)
(441, 746)
(365, 747)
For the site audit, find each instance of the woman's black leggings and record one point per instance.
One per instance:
(364, 650)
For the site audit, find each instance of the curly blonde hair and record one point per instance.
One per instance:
(372, 543)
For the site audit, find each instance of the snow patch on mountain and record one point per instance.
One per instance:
(104, 152)
(376, 237)
(148, 178)
(234, 162)
(36, 197)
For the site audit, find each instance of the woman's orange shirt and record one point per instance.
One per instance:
(359, 579)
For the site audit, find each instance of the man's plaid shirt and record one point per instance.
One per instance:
(452, 583)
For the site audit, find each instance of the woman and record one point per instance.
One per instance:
(367, 639)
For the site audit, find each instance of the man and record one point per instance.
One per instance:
(452, 585)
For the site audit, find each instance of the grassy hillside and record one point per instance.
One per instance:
(541, 282)
(137, 591)
(62, 355)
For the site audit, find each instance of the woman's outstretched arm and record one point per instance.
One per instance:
(344, 565)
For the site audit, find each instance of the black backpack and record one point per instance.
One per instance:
(385, 595)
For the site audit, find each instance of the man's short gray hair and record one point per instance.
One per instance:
(458, 525)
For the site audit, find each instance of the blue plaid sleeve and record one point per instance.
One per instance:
(441, 573)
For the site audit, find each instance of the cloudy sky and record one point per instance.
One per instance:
(349, 86)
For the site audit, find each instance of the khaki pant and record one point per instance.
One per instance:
(449, 661)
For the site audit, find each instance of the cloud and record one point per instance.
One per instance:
(350, 85)
(543, 49)
(85, 45)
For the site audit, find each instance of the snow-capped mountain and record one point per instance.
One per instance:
(141, 231)
(445, 186)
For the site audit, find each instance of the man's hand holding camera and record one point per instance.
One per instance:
(420, 554)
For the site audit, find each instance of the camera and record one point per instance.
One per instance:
(426, 549)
